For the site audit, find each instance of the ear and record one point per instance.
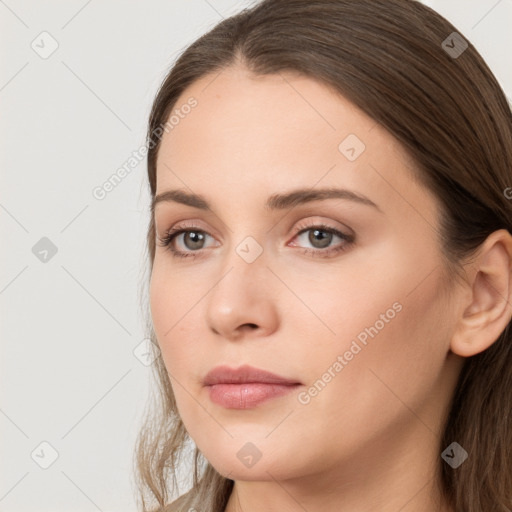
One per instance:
(488, 309)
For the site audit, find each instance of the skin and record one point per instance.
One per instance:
(369, 440)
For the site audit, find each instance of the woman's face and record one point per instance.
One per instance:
(354, 316)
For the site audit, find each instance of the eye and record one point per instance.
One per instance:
(320, 236)
(193, 239)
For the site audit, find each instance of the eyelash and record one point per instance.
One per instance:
(167, 239)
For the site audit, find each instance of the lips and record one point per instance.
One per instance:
(245, 387)
(244, 374)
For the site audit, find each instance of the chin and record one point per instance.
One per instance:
(241, 467)
(257, 473)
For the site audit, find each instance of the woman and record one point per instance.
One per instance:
(330, 257)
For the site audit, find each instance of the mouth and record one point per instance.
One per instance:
(245, 387)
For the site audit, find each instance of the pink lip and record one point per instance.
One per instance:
(245, 387)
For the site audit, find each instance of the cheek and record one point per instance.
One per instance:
(160, 302)
(389, 349)
(170, 304)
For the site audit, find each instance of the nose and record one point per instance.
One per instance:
(243, 303)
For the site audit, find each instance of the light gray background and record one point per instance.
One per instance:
(69, 326)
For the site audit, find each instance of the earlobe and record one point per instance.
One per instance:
(490, 302)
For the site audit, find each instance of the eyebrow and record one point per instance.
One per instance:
(274, 202)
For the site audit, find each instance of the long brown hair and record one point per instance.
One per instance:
(395, 60)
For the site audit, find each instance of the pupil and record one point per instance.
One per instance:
(198, 236)
(325, 240)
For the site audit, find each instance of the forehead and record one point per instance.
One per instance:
(263, 115)
(271, 133)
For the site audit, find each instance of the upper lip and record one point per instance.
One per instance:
(243, 374)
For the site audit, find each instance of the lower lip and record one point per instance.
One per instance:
(245, 396)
